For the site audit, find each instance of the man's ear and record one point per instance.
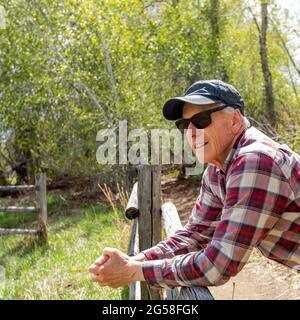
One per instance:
(236, 121)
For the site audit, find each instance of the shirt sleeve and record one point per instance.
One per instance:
(196, 233)
(256, 194)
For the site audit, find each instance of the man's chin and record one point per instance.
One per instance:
(200, 158)
(200, 155)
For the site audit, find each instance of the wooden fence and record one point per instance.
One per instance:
(144, 206)
(41, 207)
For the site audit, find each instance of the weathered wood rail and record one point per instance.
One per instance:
(41, 208)
(144, 207)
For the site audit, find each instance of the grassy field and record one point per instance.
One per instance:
(77, 234)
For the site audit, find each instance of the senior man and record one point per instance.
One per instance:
(249, 197)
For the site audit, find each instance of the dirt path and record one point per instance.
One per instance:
(261, 278)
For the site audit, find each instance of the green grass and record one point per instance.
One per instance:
(173, 174)
(77, 236)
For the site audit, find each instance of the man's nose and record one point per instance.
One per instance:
(195, 132)
(192, 129)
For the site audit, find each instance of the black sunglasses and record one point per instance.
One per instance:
(200, 120)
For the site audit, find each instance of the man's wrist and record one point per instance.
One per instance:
(137, 267)
(139, 257)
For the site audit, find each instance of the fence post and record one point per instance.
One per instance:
(156, 205)
(149, 195)
(156, 218)
(145, 220)
(41, 194)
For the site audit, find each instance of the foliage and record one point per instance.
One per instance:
(72, 67)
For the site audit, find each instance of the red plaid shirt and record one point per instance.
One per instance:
(253, 201)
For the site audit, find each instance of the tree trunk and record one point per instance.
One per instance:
(217, 67)
(213, 14)
(269, 99)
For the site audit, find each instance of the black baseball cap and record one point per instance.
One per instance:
(202, 93)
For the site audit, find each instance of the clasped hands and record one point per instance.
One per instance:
(115, 269)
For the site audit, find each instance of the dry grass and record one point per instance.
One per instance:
(116, 203)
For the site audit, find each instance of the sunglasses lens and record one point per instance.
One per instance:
(201, 122)
(198, 120)
(182, 124)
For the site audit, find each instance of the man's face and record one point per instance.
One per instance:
(216, 138)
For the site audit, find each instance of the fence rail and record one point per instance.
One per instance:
(17, 188)
(18, 209)
(133, 249)
(17, 231)
(144, 207)
(41, 208)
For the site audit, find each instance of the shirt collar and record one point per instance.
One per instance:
(230, 155)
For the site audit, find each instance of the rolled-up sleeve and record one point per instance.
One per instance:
(257, 193)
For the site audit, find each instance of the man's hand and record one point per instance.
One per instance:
(115, 269)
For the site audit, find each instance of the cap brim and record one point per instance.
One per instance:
(172, 109)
